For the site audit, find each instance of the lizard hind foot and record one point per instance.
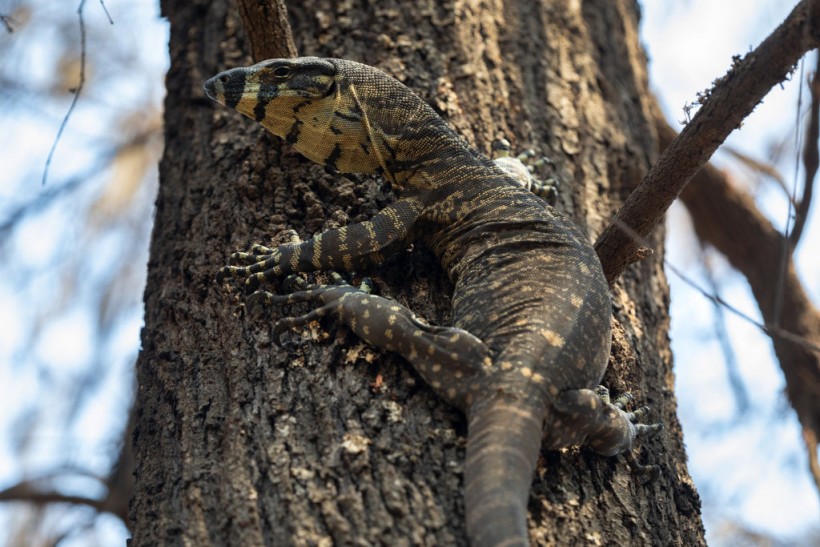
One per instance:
(648, 472)
(332, 296)
(609, 429)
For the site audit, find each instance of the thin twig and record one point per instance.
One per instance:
(77, 91)
(767, 328)
(763, 167)
(105, 9)
(811, 159)
(7, 23)
(733, 375)
(785, 248)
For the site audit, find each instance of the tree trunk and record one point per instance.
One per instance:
(315, 438)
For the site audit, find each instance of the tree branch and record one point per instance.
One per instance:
(266, 24)
(28, 491)
(731, 99)
(811, 159)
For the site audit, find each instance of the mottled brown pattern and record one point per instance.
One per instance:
(531, 309)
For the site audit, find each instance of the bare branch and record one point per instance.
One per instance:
(28, 491)
(7, 22)
(733, 375)
(811, 159)
(762, 167)
(810, 439)
(76, 92)
(266, 24)
(731, 99)
(105, 9)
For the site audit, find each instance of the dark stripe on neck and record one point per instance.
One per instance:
(293, 132)
(259, 110)
(334, 156)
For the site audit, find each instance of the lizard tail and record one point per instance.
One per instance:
(503, 442)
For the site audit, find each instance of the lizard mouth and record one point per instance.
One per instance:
(227, 87)
(210, 88)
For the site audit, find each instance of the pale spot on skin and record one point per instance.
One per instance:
(506, 365)
(436, 384)
(436, 368)
(451, 393)
(388, 333)
(526, 372)
(553, 338)
(391, 320)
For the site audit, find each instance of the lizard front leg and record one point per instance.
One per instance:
(353, 247)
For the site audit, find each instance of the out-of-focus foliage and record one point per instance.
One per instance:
(73, 252)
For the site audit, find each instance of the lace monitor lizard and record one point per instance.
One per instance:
(531, 310)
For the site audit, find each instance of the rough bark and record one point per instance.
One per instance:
(315, 438)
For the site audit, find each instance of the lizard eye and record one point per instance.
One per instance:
(281, 71)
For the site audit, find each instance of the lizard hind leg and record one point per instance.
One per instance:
(451, 360)
(608, 429)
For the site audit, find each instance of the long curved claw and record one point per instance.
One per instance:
(259, 301)
(289, 322)
(651, 472)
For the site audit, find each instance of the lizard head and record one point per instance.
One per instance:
(323, 107)
(268, 91)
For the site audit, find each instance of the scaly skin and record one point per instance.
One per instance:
(531, 309)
